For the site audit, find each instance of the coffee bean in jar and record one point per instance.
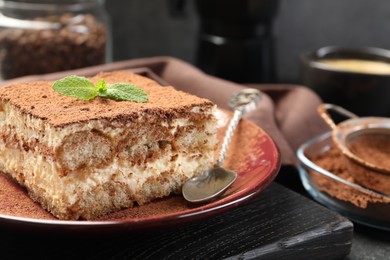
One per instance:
(38, 37)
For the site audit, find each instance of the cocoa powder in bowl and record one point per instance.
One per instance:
(333, 161)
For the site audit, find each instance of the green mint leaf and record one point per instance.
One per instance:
(101, 86)
(125, 92)
(83, 88)
(75, 86)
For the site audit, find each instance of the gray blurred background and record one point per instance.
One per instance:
(171, 27)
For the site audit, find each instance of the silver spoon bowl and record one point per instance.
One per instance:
(212, 183)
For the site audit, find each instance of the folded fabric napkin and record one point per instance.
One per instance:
(288, 113)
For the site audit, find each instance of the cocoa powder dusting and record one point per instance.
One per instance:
(333, 161)
(58, 110)
(14, 201)
(158, 207)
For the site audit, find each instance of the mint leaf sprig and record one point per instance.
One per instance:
(83, 88)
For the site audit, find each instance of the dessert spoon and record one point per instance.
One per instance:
(213, 182)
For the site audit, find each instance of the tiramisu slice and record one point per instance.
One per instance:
(82, 159)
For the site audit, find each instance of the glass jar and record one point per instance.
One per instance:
(44, 36)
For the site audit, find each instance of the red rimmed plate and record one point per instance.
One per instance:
(252, 153)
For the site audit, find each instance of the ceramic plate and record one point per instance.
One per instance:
(252, 153)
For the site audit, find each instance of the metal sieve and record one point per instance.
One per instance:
(366, 172)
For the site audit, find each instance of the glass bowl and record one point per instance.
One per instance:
(338, 191)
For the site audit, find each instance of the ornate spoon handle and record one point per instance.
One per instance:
(244, 101)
